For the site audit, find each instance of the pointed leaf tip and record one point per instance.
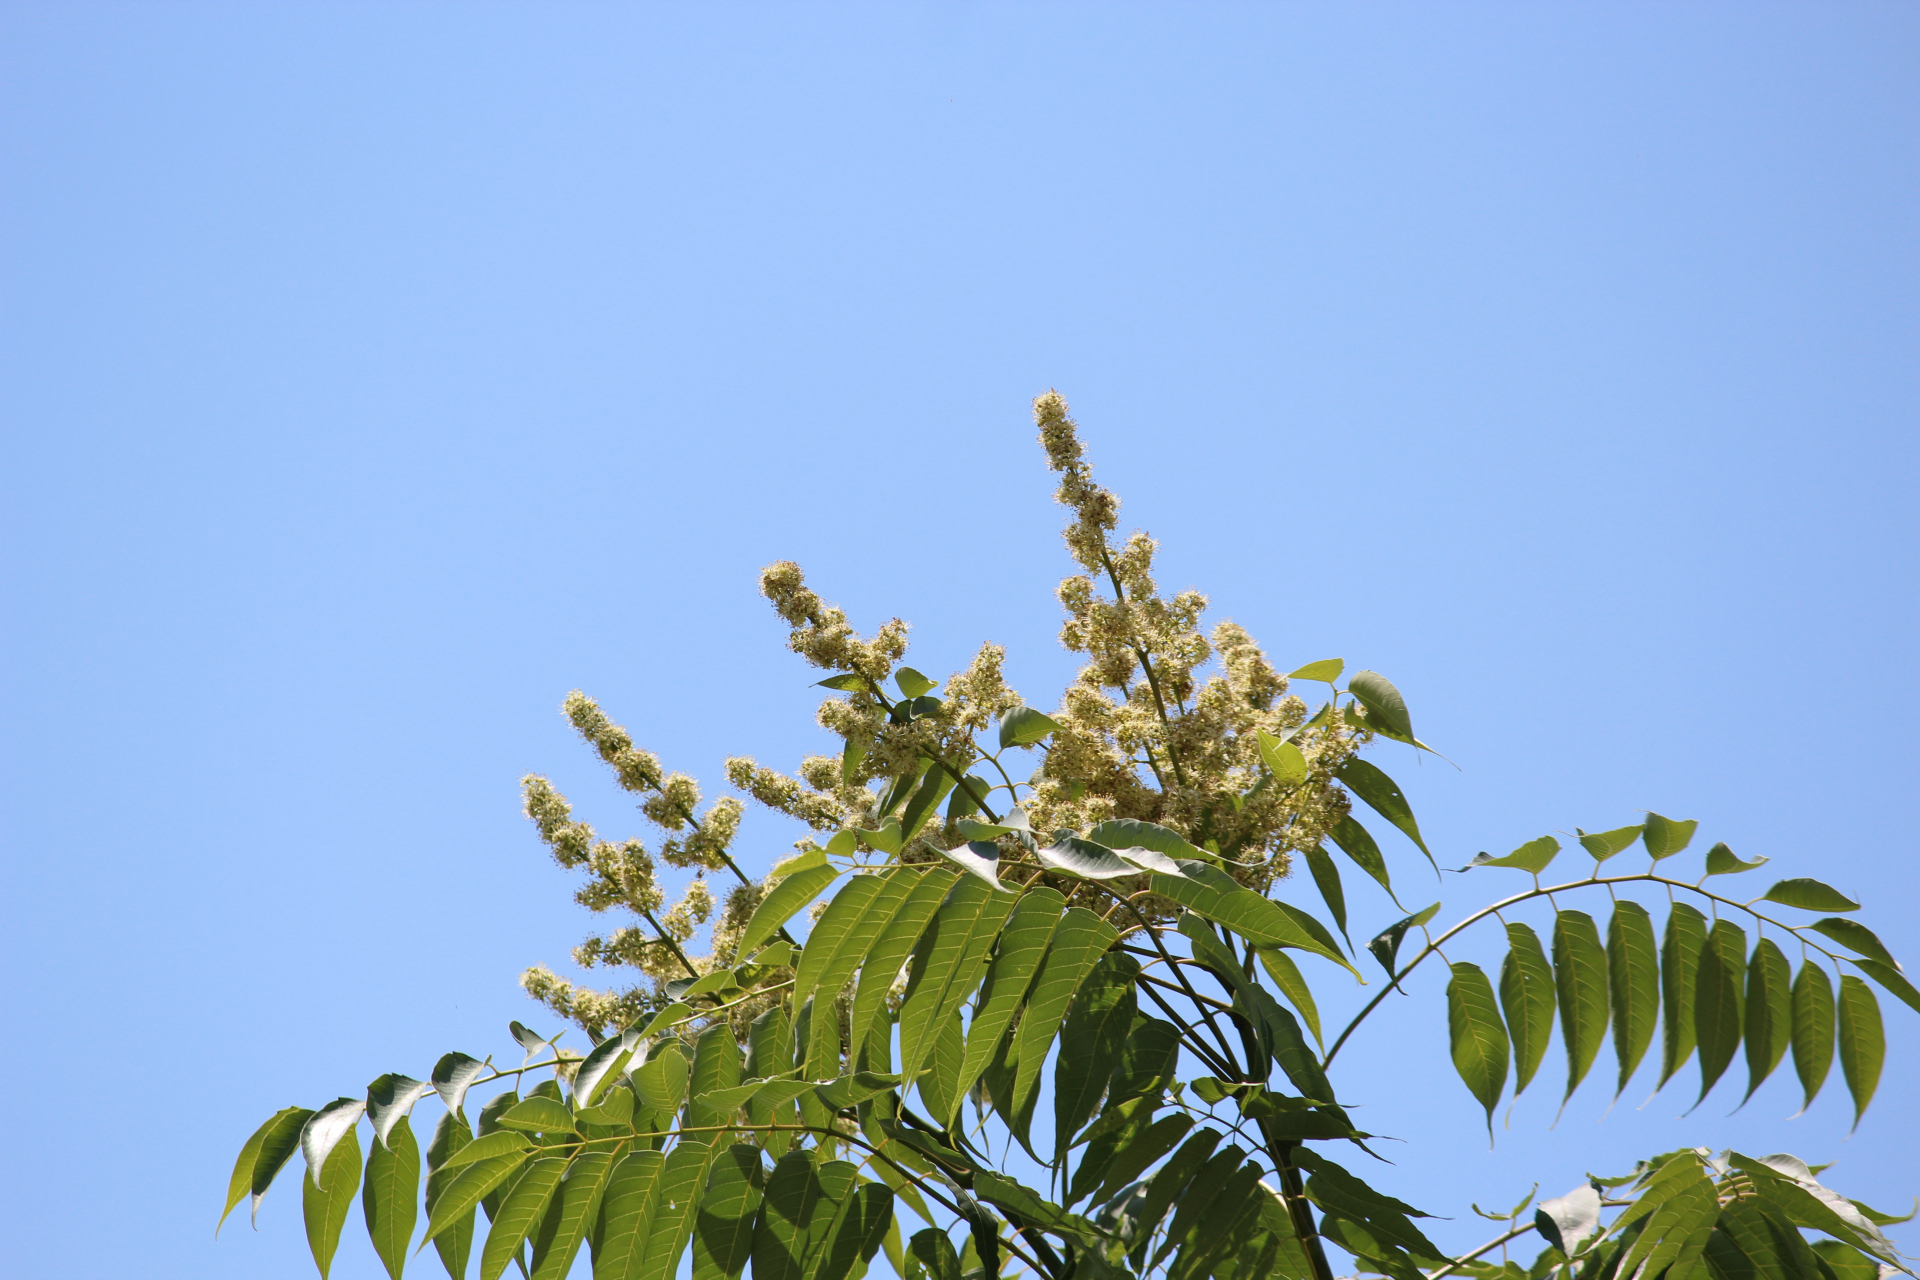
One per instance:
(1809, 895)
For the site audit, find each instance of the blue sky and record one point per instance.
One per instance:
(376, 374)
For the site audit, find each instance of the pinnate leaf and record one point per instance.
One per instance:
(1477, 1035)
(1863, 1042)
(1809, 895)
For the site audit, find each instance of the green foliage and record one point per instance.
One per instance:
(1104, 949)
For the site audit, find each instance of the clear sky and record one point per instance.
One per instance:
(376, 374)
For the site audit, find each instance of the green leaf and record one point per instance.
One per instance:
(675, 1202)
(966, 799)
(1863, 1042)
(1527, 998)
(1386, 946)
(1686, 934)
(1326, 878)
(789, 1215)
(1531, 857)
(1813, 1024)
(1327, 670)
(850, 1091)
(1283, 759)
(1217, 896)
(911, 682)
(1809, 895)
(389, 1098)
(1131, 833)
(723, 1228)
(1023, 726)
(570, 1215)
(1386, 709)
(1855, 936)
(662, 1080)
(1567, 1220)
(848, 683)
(1769, 1009)
(1721, 862)
(488, 1147)
(1893, 980)
(947, 964)
(1022, 946)
(538, 1115)
(1127, 1153)
(855, 1234)
(716, 1065)
(1207, 1183)
(1604, 844)
(454, 1245)
(1084, 858)
(934, 1252)
(1633, 983)
(926, 802)
(852, 756)
(1384, 795)
(626, 1211)
(782, 901)
(1580, 980)
(325, 1204)
(1677, 1225)
(1477, 1036)
(1286, 976)
(1665, 837)
(262, 1157)
(980, 858)
(1718, 1014)
(1845, 1263)
(387, 1199)
(1092, 1037)
(890, 942)
(519, 1213)
(532, 1041)
(453, 1075)
(1338, 1191)
(608, 1061)
(1079, 942)
(1357, 843)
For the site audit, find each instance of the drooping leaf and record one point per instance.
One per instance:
(1385, 797)
(324, 1204)
(967, 797)
(1286, 975)
(1131, 833)
(911, 682)
(723, 1229)
(672, 1211)
(947, 965)
(1893, 980)
(1283, 759)
(1147, 1062)
(926, 801)
(1633, 978)
(782, 901)
(1527, 998)
(1580, 981)
(570, 1215)
(1023, 726)
(1855, 937)
(1604, 844)
(1678, 1224)
(389, 1098)
(1809, 895)
(1813, 1027)
(1863, 1042)
(1386, 946)
(853, 1236)
(1092, 1036)
(609, 1059)
(1531, 857)
(1719, 1000)
(501, 1142)
(935, 1255)
(662, 1081)
(1327, 669)
(388, 1197)
(1022, 946)
(1722, 862)
(1386, 709)
(890, 942)
(1169, 1184)
(1680, 947)
(527, 1038)
(1079, 941)
(262, 1158)
(1326, 878)
(1477, 1035)
(1665, 837)
(454, 1244)
(1206, 1183)
(519, 1213)
(1769, 1012)
(626, 1210)
(789, 1211)
(1358, 844)
(1338, 1191)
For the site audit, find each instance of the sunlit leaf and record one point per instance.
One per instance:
(1531, 857)
(1863, 1042)
(327, 1127)
(570, 1214)
(1722, 862)
(388, 1198)
(1527, 997)
(1604, 844)
(1809, 895)
(263, 1156)
(1386, 709)
(1565, 1221)
(1079, 941)
(1286, 975)
(1665, 837)
(1680, 947)
(1023, 726)
(1327, 669)
(1769, 1012)
(1385, 797)
(1131, 833)
(1218, 897)
(1813, 1027)
(1719, 1001)
(980, 858)
(453, 1075)
(324, 1202)
(1477, 1035)
(538, 1115)
(782, 901)
(1085, 859)
(1283, 759)
(848, 683)
(1022, 945)
(519, 1213)
(911, 682)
